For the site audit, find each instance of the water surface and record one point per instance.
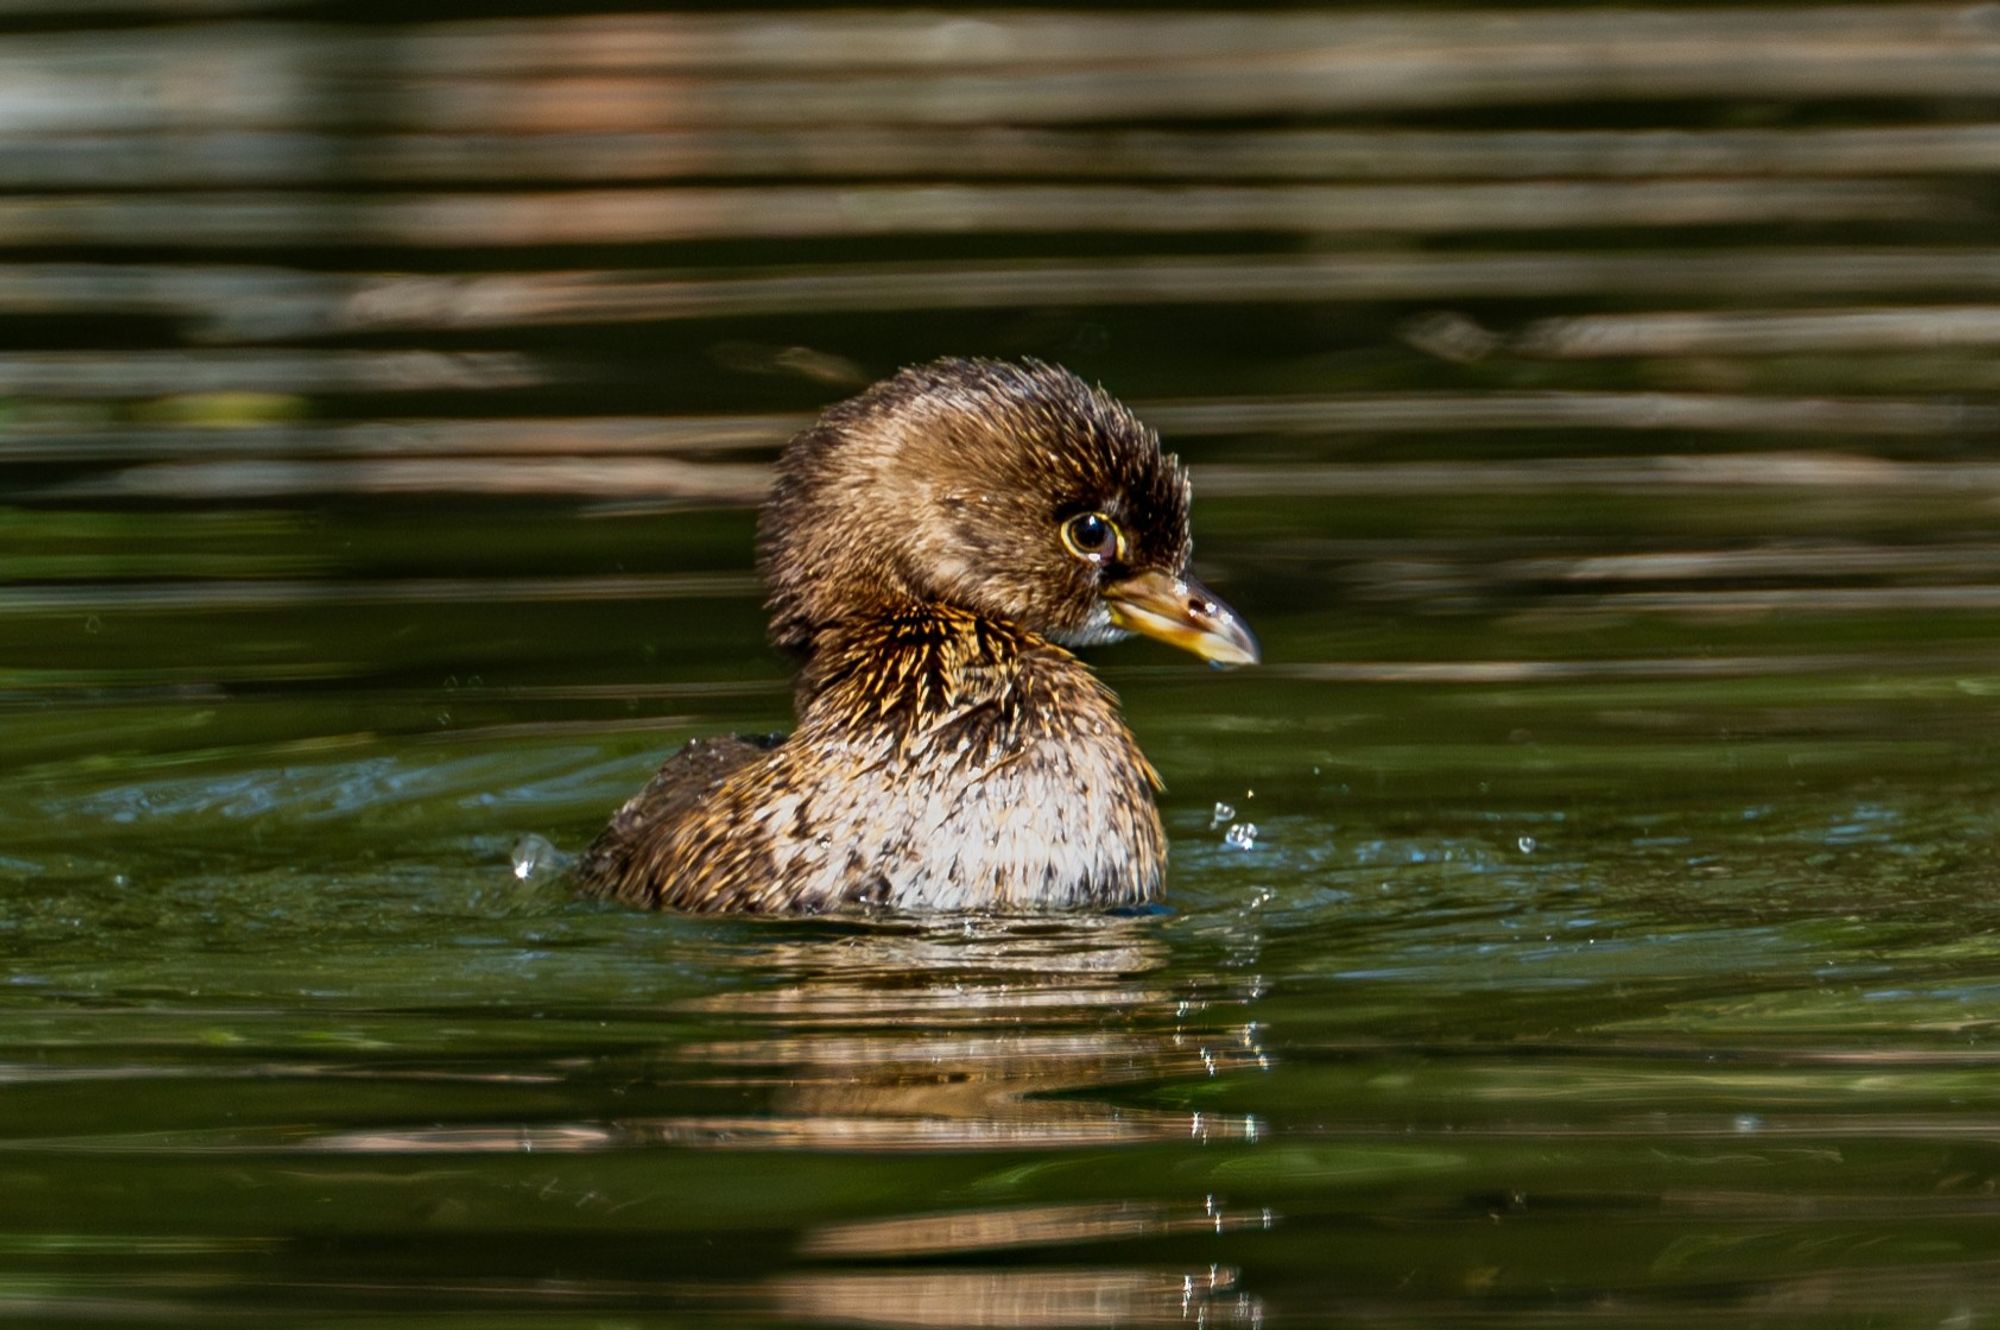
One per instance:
(1586, 915)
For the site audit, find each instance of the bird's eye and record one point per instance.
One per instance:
(1093, 537)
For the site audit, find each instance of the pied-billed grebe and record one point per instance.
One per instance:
(931, 547)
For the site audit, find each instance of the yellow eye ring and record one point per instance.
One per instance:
(1094, 538)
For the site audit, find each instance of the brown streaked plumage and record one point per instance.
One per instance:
(930, 546)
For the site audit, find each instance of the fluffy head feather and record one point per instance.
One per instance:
(948, 484)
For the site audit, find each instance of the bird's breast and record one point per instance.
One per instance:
(1023, 791)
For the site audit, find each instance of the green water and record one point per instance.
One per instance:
(1610, 995)
(1590, 410)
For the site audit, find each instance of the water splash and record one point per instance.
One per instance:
(536, 859)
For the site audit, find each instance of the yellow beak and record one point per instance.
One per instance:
(1182, 611)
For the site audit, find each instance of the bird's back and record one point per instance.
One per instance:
(676, 791)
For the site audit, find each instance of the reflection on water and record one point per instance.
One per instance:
(1592, 407)
(992, 1065)
(982, 1036)
(1028, 1299)
(969, 1039)
(950, 1035)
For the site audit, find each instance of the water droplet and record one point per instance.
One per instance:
(1526, 844)
(533, 855)
(1223, 813)
(1748, 1122)
(93, 624)
(1243, 835)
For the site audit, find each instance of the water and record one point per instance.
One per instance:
(1586, 915)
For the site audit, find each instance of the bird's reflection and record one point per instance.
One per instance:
(981, 1034)
(944, 1037)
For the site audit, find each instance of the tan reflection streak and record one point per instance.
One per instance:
(833, 1051)
(249, 158)
(606, 478)
(991, 1093)
(1648, 475)
(1814, 561)
(497, 299)
(638, 479)
(243, 302)
(1022, 1226)
(996, 38)
(1811, 600)
(152, 373)
(975, 1117)
(470, 1140)
(1379, 412)
(401, 439)
(1320, 417)
(651, 216)
(1023, 1298)
(1758, 332)
(842, 1003)
(279, 594)
(977, 66)
(988, 1230)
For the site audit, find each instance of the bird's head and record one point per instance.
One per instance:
(1016, 492)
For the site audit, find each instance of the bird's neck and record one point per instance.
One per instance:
(905, 662)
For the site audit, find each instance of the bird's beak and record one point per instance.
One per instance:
(1182, 611)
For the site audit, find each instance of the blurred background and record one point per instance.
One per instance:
(1586, 913)
(1682, 312)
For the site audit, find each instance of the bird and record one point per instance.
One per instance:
(934, 551)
